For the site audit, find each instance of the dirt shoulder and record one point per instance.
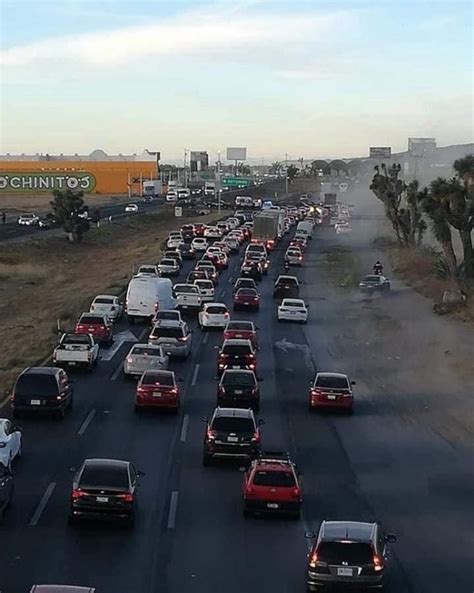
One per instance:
(18, 203)
(48, 279)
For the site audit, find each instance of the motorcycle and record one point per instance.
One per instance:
(378, 269)
(287, 266)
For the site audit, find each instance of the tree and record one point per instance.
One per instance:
(275, 168)
(68, 206)
(320, 165)
(291, 172)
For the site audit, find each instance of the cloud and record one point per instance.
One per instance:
(203, 32)
(437, 23)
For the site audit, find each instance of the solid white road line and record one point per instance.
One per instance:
(86, 422)
(195, 374)
(143, 334)
(206, 336)
(117, 372)
(173, 509)
(43, 502)
(184, 428)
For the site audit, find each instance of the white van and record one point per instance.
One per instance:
(183, 193)
(146, 295)
(172, 196)
(304, 230)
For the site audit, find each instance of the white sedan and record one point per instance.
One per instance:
(293, 310)
(174, 241)
(199, 244)
(214, 315)
(107, 304)
(342, 228)
(10, 442)
(131, 208)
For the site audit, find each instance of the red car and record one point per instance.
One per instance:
(331, 390)
(157, 389)
(271, 486)
(100, 327)
(199, 229)
(241, 330)
(246, 298)
(301, 243)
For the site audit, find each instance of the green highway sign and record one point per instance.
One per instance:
(236, 181)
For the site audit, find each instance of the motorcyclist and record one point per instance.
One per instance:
(287, 265)
(378, 268)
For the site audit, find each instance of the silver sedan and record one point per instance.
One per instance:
(145, 357)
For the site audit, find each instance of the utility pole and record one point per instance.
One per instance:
(217, 184)
(286, 174)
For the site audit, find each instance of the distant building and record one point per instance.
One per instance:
(96, 155)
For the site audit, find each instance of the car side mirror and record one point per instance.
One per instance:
(391, 538)
(204, 419)
(309, 535)
(261, 422)
(259, 379)
(140, 473)
(353, 382)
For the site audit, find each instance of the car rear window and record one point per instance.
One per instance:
(287, 282)
(237, 350)
(167, 315)
(205, 283)
(108, 476)
(167, 332)
(298, 304)
(102, 301)
(77, 339)
(185, 288)
(245, 284)
(282, 479)
(158, 379)
(247, 292)
(231, 424)
(36, 384)
(245, 379)
(355, 553)
(168, 261)
(216, 310)
(332, 382)
(240, 325)
(91, 320)
(144, 350)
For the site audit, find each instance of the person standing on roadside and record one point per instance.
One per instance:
(4, 217)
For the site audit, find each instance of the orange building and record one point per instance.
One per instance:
(99, 177)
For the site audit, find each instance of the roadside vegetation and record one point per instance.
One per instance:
(340, 267)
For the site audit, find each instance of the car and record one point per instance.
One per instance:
(231, 433)
(48, 221)
(233, 222)
(107, 304)
(207, 289)
(6, 488)
(238, 388)
(251, 269)
(175, 239)
(28, 219)
(286, 286)
(42, 390)
(172, 196)
(199, 244)
(207, 265)
(158, 389)
(131, 208)
(76, 350)
(294, 257)
(202, 274)
(271, 486)
(236, 354)
(343, 228)
(246, 298)
(243, 330)
(293, 310)
(348, 554)
(213, 233)
(244, 283)
(10, 442)
(144, 357)
(233, 244)
(374, 283)
(168, 267)
(299, 243)
(199, 229)
(223, 227)
(256, 256)
(104, 489)
(331, 391)
(222, 245)
(188, 296)
(218, 258)
(187, 251)
(187, 231)
(99, 326)
(213, 315)
(175, 337)
(238, 235)
(167, 315)
(148, 270)
(257, 247)
(175, 254)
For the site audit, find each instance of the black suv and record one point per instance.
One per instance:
(42, 390)
(286, 287)
(236, 354)
(104, 488)
(231, 433)
(239, 388)
(348, 553)
(6, 489)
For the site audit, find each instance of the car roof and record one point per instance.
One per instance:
(104, 462)
(145, 345)
(238, 372)
(233, 412)
(347, 530)
(240, 322)
(60, 589)
(207, 305)
(286, 277)
(335, 375)
(160, 372)
(106, 296)
(41, 370)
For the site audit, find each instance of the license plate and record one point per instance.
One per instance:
(272, 505)
(167, 345)
(157, 394)
(344, 572)
(331, 397)
(72, 363)
(235, 366)
(102, 499)
(238, 392)
(233, 439)
(35, 402)
(238, 335)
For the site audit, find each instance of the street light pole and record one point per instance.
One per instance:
(217, 185)
(286, 174)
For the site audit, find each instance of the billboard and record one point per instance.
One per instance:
(199, 161)
(380, 152)
(421, 146)
(236, 154)
(46, 181)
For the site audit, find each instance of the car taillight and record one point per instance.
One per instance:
(12, 396)
(226, 314)
(313, 560)
(249, 491)
(347, 394)
(378, 563)
(77, 493)
(130, 359)
(256, 437)
(183, 339)
(157, 306)
(79, 327)
(295, 493)
(141, 390)
(316, 392)
(126, 497)
(221, 389)
(211, 434)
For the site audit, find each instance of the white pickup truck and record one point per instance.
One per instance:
(76, 350)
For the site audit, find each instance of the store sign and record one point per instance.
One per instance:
(42, 181)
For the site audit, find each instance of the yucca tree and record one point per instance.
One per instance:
(388, 188)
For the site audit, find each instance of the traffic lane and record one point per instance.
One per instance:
(209, 518)
(394, 456)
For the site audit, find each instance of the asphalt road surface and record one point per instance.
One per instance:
(190, 536)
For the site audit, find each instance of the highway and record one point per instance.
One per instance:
(190, 536)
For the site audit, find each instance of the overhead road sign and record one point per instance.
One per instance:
(236, 154)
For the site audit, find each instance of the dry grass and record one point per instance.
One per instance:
(341, 267)
(49, 279)
(17, 203)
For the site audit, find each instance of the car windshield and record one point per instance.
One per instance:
(282, 479)
(352, 553)
(165, 379)
(331, 382)
(237, 349)
(240, 326)
(103, 301)
(109, 476)
(216, 310)
(233, 424)
(167, 332)
(31, 384)
(145, 351)
(92, 320)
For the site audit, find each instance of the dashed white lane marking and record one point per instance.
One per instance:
(43, 502)
(195, 374)
(173, 509)
(206, 336)
(230, 280)
(223, 293)
(86, 422)
(184, 428)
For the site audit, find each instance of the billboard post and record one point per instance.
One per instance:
(236, 154)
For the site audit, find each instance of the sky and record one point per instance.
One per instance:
(297, 77)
